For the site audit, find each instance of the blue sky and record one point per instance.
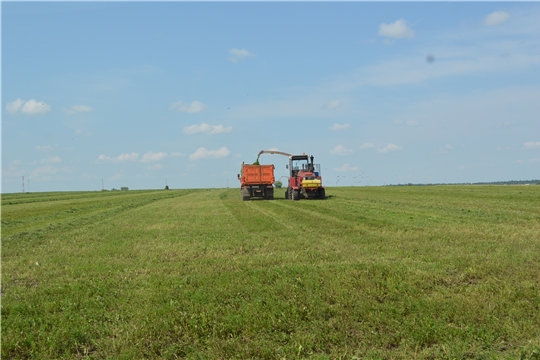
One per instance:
(142, 94)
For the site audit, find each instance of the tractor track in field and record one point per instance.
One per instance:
(76, 217)
(334, 219)
(275, 217)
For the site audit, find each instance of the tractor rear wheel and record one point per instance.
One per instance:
(295, 195)
(288, 194)
(322, 194)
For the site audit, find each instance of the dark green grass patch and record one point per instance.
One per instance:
(378, 272)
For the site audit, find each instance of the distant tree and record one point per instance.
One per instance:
(124, 188)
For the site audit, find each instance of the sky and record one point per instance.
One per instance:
(143, 94)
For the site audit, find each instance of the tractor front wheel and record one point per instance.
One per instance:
(295, 195)
(288, 193)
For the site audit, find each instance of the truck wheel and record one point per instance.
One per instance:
(294, 195)
(245, 198)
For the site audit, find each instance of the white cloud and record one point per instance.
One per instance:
(115, 177)
(155, 167)
(496, 18)
(531, 145)
(120, 158)
(337, 127)
(51, 159)
(367, 146)
(389, 148)
(207, 129)
(239, 54)
(14, 106)
(176, 154)
(31, 107)
(333, 104)
(218, 129)
(194, 107)
(346, 168)
(203, 153)
(341, 150)
(397, 30)
(152, 156)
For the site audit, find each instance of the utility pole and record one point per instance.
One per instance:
(102, 188)
(23, 184)
(28, 185)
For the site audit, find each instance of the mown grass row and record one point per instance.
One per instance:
(376, 272)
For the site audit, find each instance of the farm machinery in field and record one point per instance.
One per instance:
(305, 181)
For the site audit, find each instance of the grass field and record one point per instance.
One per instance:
(437, 272)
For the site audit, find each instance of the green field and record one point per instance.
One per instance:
(438, 272)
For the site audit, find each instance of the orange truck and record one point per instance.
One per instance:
(256, 181)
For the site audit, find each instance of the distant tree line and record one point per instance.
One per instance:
(509, 182)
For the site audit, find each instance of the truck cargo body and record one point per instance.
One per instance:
(256, 181)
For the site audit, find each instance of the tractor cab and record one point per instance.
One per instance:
(302, 166)
(304, 178)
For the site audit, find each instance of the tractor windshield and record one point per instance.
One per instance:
(301, 165)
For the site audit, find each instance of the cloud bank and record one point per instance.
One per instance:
(30, 107)
(206, 129)
(203, 153)
(239, 54)
(120, 158)
(152, 156)
(389, 148)
(341, 150)
(531, 145)
(496, 18)
(338, 127)
(397, 30)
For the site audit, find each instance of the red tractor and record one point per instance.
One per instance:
(305, 181)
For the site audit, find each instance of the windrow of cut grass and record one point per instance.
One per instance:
(372, 272)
